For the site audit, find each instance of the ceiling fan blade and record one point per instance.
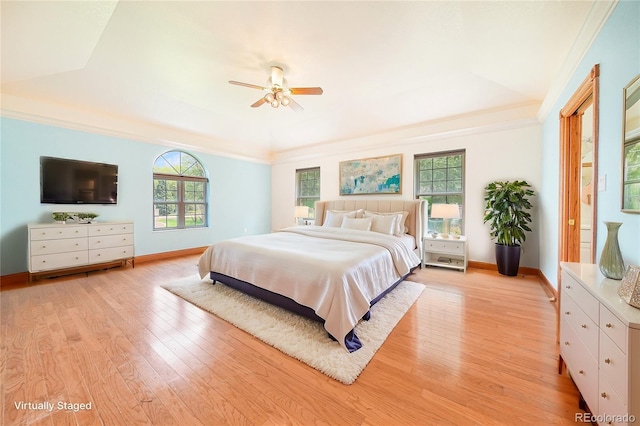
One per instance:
(252, 86)
(295, 106)
(306, 90)
(258, 103)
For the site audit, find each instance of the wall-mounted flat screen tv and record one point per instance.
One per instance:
(65, 181)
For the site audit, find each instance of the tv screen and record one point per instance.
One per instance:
(64, 181)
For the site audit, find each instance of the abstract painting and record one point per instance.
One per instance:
(379, 175)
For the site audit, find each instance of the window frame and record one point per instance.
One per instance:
(457, 225)
(300, 199)
(182, 213)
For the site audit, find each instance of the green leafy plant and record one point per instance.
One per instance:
(60, 216)
(507, 208)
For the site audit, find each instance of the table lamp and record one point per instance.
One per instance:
(445, 212)
(302, 212)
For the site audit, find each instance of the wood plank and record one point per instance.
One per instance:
(476, 348)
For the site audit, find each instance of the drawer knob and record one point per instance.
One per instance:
(581, 371)
(566, 343)
(567, 287)
(584, 326)
(609, 325)
(567, 313)
(44, 247)
(607, 361)
(604, 394)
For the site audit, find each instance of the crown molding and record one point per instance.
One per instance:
(492, 120)
(598, 16)
(69, 118)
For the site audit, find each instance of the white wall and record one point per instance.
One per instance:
(500, 145)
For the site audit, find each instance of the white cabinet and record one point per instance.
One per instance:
(446, 252)
(54, 247)
(600, 343)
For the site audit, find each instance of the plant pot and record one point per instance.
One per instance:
(508, 259)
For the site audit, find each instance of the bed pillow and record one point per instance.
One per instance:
(384, 223)
(363, 224)
(333, 218)
(401, 228)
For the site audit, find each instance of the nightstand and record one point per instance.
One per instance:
(445, 252)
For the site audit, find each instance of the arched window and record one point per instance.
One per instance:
(179, 192)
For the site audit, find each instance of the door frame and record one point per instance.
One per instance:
(570, 169)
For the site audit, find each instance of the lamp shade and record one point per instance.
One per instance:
(445, 211)
(302, 211)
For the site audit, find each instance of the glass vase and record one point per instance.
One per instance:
(611, 263)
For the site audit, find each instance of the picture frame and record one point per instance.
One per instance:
(374, 175)
(631, 147)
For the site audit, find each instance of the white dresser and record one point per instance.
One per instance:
(600, 344)
(67, 248)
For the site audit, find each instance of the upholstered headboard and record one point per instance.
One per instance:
(416, 219)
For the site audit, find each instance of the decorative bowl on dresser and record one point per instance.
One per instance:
(600, 344)
(56, 249)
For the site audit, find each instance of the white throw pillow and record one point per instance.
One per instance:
(384, 224)
(363, 224)
(401, 228)
(333, 218)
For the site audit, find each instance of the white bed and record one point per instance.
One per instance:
(332, 273)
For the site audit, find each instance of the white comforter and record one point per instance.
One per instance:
(334, 271)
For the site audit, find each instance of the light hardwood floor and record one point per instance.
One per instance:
(476, 348)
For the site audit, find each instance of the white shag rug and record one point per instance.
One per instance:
(297, 336)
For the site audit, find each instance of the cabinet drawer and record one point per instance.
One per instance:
(581, 364)
(445, 246)
(109, 254)
(60, 260)
(614, 328)
(54, 233)
(611, 407)
(106, 241)
(58, 246)
(584, 328)
(111, 229)
(613, 365)
(581, 296)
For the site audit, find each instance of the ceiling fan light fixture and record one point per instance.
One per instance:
(275, 103)
(269, 97)
(285, 101)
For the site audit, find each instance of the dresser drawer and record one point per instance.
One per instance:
(58, 246)
(614, 328)
(581, 296)
(54, 233)
(109, 254)
(445, 246)
(613, 365)
(106, 241)
(611, 407)
(111, 229)
(581, 364)
(60, 260)
(584, 328)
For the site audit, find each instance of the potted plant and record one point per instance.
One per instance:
(507, 208)
(60, 217)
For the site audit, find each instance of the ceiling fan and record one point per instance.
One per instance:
(278, 92)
